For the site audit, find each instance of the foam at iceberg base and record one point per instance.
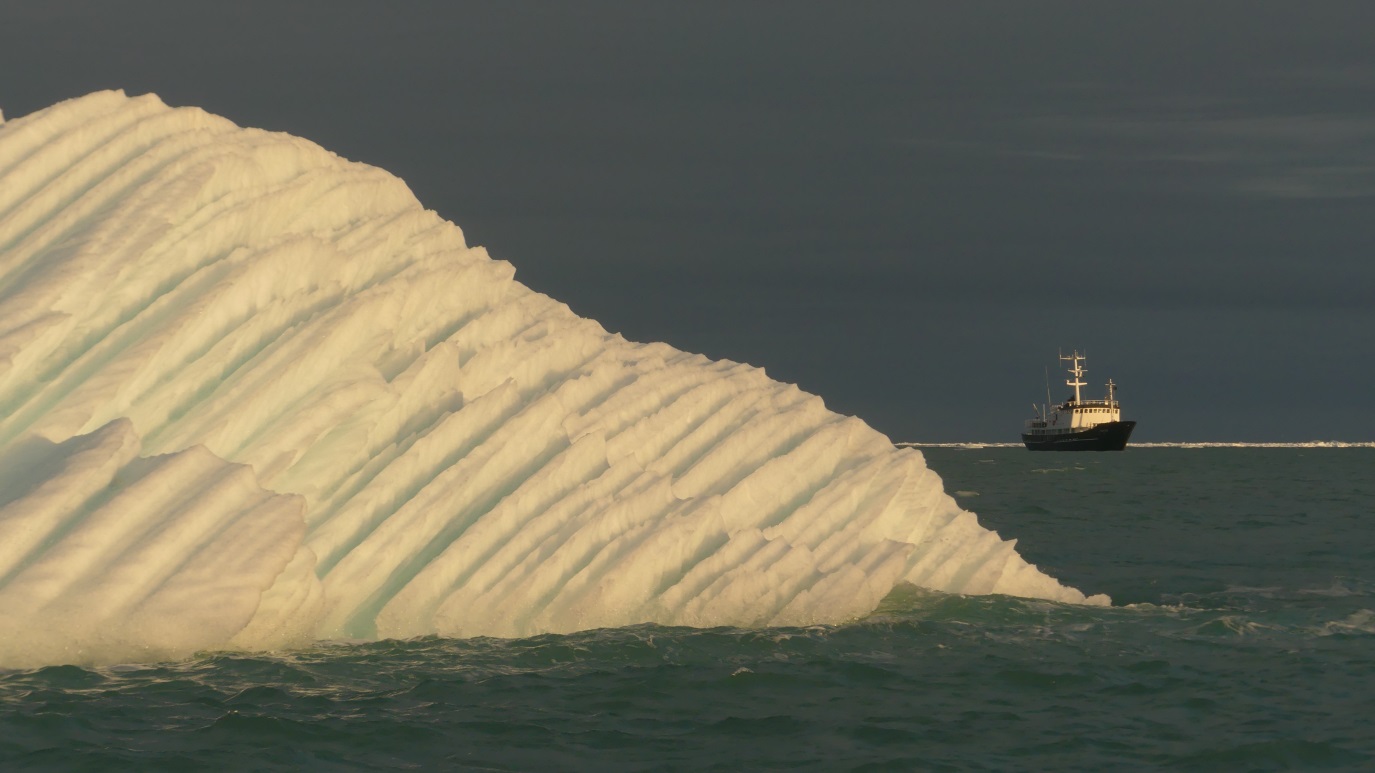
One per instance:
(254, 394)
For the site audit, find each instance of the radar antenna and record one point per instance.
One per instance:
(1077, 370)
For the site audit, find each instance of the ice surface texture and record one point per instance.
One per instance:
(255, 394)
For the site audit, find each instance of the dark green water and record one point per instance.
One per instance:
(1243, 639)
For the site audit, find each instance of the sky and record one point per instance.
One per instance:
(907, 208)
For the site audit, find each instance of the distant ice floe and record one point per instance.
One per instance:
(1309, 444)
(254, 395)
(969, 445)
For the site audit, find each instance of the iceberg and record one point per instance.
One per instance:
(256, 395)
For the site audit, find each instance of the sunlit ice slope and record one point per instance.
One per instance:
(253, 394)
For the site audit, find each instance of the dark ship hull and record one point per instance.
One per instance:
(1109, 436)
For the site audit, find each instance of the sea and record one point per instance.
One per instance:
(1241, 637)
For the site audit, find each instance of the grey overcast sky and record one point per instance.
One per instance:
(905, 207)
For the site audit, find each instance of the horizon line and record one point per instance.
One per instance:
(1166, 444)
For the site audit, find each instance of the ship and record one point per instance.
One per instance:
(1078, 424)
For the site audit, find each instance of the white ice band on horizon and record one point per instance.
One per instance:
(255, 394)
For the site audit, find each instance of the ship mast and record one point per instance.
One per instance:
(1077, 371)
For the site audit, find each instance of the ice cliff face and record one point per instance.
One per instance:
(252, 394)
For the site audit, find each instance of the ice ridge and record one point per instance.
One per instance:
(257, 394)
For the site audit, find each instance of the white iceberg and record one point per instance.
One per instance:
(255, 394)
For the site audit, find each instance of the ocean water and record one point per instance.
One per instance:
(1242, 637)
